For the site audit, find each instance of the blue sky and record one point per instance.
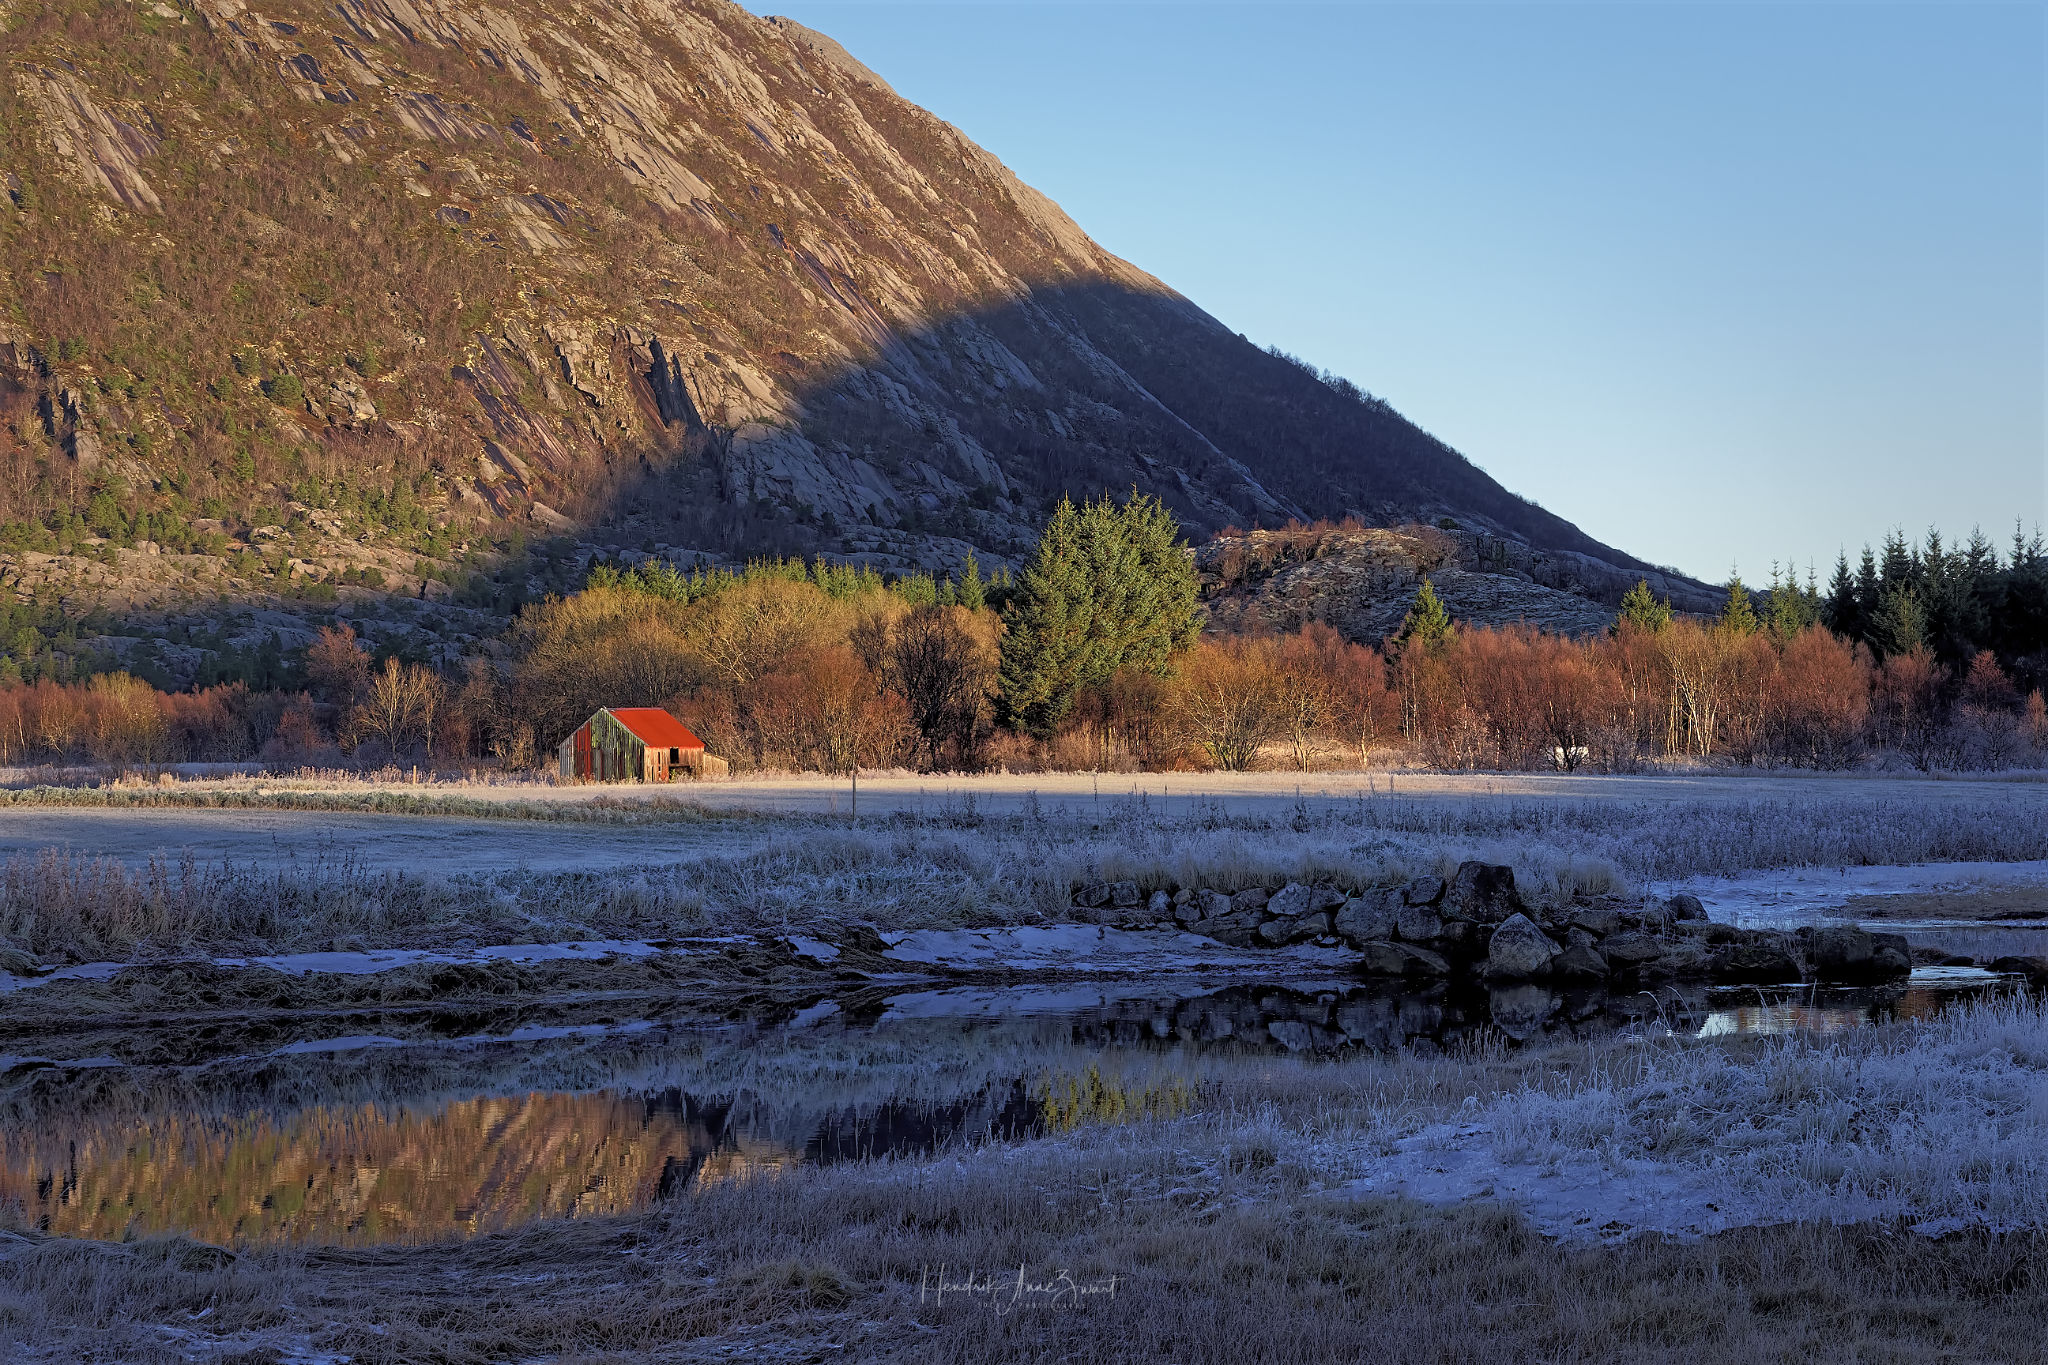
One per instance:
(1722, 283)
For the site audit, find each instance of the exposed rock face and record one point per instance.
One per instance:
(657, 265)
(1363, 580)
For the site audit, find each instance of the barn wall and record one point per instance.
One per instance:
(616, 753)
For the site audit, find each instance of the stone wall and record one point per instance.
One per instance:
(1477, 925)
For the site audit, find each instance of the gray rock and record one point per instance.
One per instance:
(1187, 911)
(1160, 905)
(1576, 937)
(2033, 968)
(1890, 956)
(1326, 898)
(1363, 919)
(1124, 894)
(1423, 891)
(1579, 963)
(1422, 962)
(1092, 895)
(1597, 920)
(1212, 904)
(1654, 918)
(1300, 929)
(1250, 899)
(15, 962)
(1632, 949)
(1754, 964)
(1419, 924)
(1685, 906)
(1840, 953)
(1518, 950)
(1290, 900)
(1483, 893)
(1184, 895)
(1232, 933)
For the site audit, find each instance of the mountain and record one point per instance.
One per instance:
(359, 294)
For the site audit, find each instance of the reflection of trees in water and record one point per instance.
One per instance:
(131, 1151)
(363, 1174)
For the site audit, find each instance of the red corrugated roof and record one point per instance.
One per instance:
(656, 727)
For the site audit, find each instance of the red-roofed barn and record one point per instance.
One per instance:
(635, 744)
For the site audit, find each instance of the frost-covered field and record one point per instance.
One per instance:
(1875, 1196)
(241, 879)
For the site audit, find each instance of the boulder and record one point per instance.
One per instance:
(1686, 906)
(1123, 894)
(1890, 956)
(1160, 905)
(1752, 964)
(1092, 895)
(1579, 963)
(1249, 900)
(1419, 924)
(1597, 920)
(1231, 932)
(1654, 918)
(1632, 949)
(1518, 950)
(2033, 968)
(1423, 891)
(1299, 929)
(15, 962)
(1290, 900)
(1840, 953)
(1363, 919)
(1483, 893)
(1183, 895)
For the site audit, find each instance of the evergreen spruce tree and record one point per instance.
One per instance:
(1739, 616)
(1427, 625)
(1869, 592)
(1109, 587)
(1641, 610)
(973, 592)
(1843, 615)
(1901, 567)
(1900, 625)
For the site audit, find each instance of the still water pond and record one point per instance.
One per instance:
(378, 1136)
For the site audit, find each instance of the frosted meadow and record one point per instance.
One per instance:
(743, 1098)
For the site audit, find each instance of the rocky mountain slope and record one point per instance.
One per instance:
(1362, 580)
(326, 293)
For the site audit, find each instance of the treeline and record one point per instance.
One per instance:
(1094, 657)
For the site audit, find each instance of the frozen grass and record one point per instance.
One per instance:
(1943, 1123)
(1225, 1248)
(956, 865)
